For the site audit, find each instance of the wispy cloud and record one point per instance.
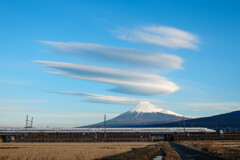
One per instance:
(76, 115)
(160, 35)
(13, 82)
(214, 104)
(97, 98)
(21, 101)
(50, 118)
(217, 107)
(125, 81)
(121, 56)
(71, 119)
(17, 109)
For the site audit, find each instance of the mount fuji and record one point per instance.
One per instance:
(143, 114)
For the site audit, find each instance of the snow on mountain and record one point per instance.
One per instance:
(143, 114)
(171, 113)
(147, 107)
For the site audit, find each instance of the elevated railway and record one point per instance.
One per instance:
(108, 130)
(97, 134)
(112, 134)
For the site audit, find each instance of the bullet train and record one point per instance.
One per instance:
(109, 130)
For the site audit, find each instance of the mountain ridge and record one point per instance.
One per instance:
(144, 113)
(223, 121)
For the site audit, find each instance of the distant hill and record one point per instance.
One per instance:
(144, 113)
(223, 121)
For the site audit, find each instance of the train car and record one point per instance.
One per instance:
(110, 130)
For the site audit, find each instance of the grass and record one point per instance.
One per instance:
(170, 153)
(225, 149)
(148, 152)
(65, 151)
(135, 154)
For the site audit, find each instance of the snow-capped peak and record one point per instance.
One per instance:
(147, 107)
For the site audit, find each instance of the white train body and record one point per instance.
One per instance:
(109, 130)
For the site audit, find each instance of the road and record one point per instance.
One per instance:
(189, 154)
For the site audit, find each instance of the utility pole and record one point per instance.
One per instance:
(105, 135)
(178, 122)
(26, 122)
(32, 122)
(184, 125)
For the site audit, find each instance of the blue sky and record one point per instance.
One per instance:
(66, 63)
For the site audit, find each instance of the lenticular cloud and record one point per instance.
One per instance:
(161, 36)
(99, 98)
(129, 57)
(124, 81)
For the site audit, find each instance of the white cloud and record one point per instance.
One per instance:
(215, 104)
(13, 82)
(76, 115)
(160, 35)
(125, 81)
(97, 98)
(21, 101)
(17, 109)
(17, 117)
(217, 107)
(121, 56)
